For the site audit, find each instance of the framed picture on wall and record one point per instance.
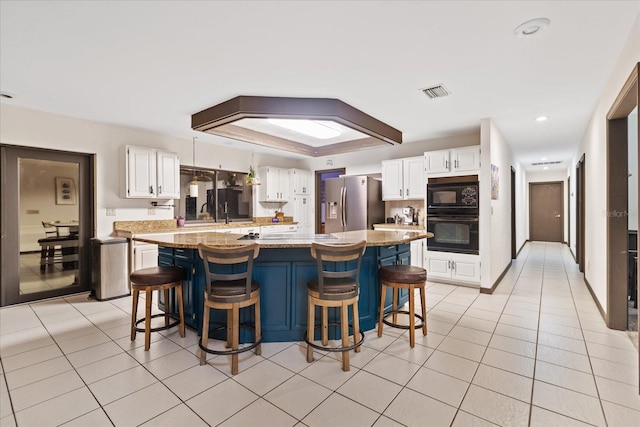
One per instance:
(65, 191)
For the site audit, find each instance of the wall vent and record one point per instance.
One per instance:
(555, 162)
(437, 91)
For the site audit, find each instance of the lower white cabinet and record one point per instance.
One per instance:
(145, 255)
(416, 252)
(452, 267)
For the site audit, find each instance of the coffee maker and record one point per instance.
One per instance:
(409, 215)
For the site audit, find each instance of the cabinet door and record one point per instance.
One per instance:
(466, 269)
(140, 172)
(144, 256)
(416, 253)
(168, 175)
(300, 181)
(284, 184)
(392, 188)
(302, 213)
(466, 159)
(414, 182)
(275, 184)
(436, 161)
(438, 266)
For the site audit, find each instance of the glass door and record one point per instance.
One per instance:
(47, 211)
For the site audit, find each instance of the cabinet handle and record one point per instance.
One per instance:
(401, 192)
(159, 189)
(455, 164)
(407, 191)
(446, 164)
(151, 189)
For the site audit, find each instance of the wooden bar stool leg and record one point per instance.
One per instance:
(412, 318)
(344, 323)
(383, 294)
(236, 338)
(325, 325)
(310, 328)
(166, 306)
(147, 320)
(205, 333)
(134, 313)
(356, 325)
(394, 291)
(180, 308)
(423, 300)
(258, 326)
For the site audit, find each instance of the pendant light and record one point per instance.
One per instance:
(193, 185)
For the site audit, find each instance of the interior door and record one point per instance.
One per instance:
(546, 207)
(46, 222)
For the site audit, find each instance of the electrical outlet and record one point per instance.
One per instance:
(151, 211)
(32, 212)
(111, 211)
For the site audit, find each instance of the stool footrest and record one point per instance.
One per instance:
(240, 350)
(158, 328)
(397, 325)
(334, 349)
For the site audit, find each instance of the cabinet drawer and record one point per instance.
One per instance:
(184, 253)
(387, 251)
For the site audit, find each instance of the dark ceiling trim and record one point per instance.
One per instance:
(218, 120)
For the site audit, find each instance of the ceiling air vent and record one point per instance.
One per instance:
(437, 91)
(556, 162)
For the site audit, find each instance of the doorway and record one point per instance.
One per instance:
(46, 222)
(321, 177)
(514, 250)
(580, 213)
(546, 206)
(618, 208)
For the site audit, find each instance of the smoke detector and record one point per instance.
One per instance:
(437, 91)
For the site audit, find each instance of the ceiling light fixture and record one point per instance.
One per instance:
(541, 118)
(532, 27)
(315, 128)
(193, 185)
(344, 128)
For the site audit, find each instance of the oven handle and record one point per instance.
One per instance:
(452, 219)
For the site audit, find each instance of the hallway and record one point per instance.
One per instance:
(536, 353)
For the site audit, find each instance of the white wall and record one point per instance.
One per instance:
(495, 215)
(31, 128)
(549, 176)
(593, 145)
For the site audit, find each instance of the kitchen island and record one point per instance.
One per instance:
(283, 268)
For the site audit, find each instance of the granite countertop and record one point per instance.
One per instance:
(399, 227)
(211, 238)
(131, 229)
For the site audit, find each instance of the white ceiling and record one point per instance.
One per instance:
(151, 65)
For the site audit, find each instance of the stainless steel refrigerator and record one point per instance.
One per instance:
(353, 203)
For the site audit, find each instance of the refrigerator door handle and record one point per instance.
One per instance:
(344, 206)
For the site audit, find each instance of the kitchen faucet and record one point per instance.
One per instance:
(202, 207)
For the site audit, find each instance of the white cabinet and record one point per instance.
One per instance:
(151, 173)
(301, 181)
(403, 179)
(278, 229)
(452, 162)
(458, 268)
(301, 209)
(168, 175)
(275, 184)
(145, 255)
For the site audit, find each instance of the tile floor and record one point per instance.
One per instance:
(536, 353)
(32, 280)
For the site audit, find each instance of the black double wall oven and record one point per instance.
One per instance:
(452, 217)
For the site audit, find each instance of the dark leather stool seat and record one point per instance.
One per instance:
(403, 277)
(162, 278)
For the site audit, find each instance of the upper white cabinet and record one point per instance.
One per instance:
(275, 184)
(301, 181)
(403, 179)
(168, 174)
(151, 173)
(452, 162)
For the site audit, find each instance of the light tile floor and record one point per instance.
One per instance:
(535, 353)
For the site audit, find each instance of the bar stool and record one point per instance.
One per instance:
(337, 285)
(230, 287)
(403, 277)
(151, 279)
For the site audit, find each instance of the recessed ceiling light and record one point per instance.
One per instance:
(546, 167)
(532, 27)
(543, 159)
(541, 118)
